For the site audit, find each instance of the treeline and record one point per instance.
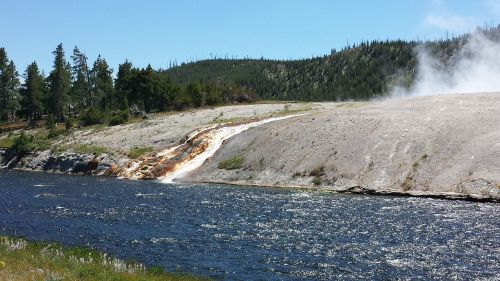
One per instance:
(77, 89)
(356, 72)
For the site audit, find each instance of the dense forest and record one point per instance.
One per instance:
(88, 93)
(76, 89)
(357, 72)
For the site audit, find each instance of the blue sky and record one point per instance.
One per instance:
(158, 32)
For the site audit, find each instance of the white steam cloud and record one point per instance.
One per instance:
(475, 69)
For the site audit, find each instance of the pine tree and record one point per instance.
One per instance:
(164, 95)
(59, 82)
(198, 97)
(32, 92)
(103, 83)
(146, 87)
(9, 86)
(3, 82)
(123, 87)
(81, 90)
(13, 99)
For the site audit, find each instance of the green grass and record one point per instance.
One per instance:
(137, 152)
(351, 105)
(23, 260)
(219, 120)
(232, 163)
(6, 142)
(90, 149)
(287, 111)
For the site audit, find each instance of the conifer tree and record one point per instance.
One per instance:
(103, 83)
(123, 87)
(59, 82)
(13, 99)
(32, 93)
(81, 90)
(9, 86)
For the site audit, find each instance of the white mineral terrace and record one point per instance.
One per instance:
(215, 139)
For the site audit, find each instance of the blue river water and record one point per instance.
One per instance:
(241, 233)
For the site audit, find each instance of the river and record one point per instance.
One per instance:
(241, 233)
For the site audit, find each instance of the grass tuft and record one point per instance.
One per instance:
(137, 152)
(6, 142)
(317, 180)
(232, 163)
(90, 149)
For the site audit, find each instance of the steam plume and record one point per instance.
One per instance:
(474, 68)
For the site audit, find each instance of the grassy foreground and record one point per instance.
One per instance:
(23, 260)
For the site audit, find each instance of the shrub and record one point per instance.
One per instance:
(54, 133)
(91, 117)
(23, 144)
(51, 123)
(232, 163)
(120, 118)
(318, 171)
(316, 180)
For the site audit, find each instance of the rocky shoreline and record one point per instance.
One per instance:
(66, 163)
(367, 191)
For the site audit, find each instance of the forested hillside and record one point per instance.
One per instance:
(356, 72)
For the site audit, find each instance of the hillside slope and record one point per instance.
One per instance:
(357, 72)
(447, 145)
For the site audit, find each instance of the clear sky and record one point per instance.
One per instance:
(158, 32)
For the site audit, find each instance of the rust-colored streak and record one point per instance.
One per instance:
(164, 163)
(155, 166)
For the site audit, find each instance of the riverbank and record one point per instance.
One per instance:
(24, 260)
(444, 146)
(106, 150)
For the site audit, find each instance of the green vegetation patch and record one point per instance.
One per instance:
(317, 180)
(6, 142)
(119, 118)
(92, 117)
(232, 163)
(287, 111)
(218, 120)
(351, 105)
(137, 152)
(23, 260)
(90, 149)
(24, 143)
